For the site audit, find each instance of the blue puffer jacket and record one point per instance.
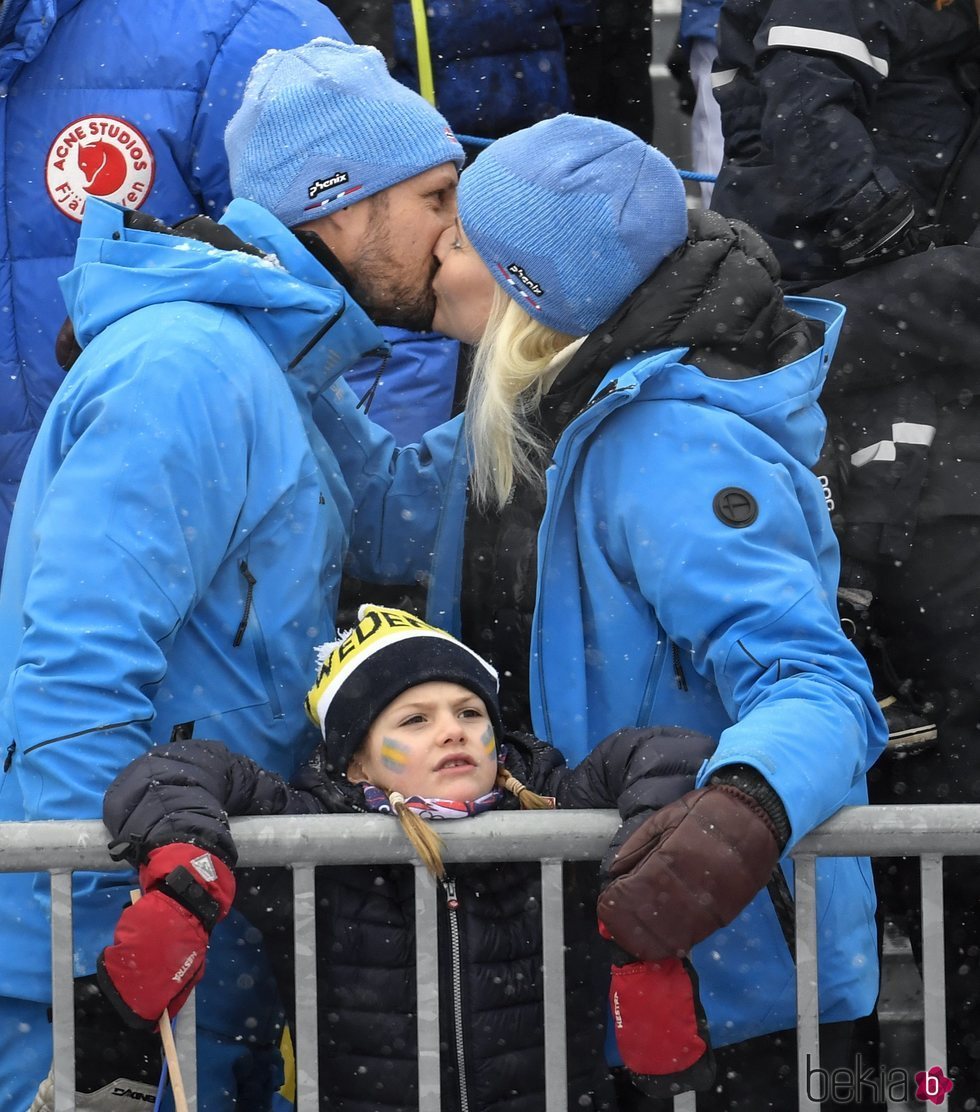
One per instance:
(658, 603)
(127, 102)
(176, 549)
(498, 65)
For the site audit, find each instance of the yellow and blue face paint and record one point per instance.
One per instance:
(489, 743)
(394, 754)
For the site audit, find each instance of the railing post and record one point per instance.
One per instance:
(553, 959)
(933, 961)
(305, 1042)
(62, 992)
(427, 987)
(807, 1000)
(185, 1038)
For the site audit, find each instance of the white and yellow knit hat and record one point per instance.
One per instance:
(387, 652)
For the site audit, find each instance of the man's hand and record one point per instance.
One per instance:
(688, 870)
(160, 943)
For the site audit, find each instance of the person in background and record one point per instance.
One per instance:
(851, 135)
(625, 522)
(851, 142)
(176, 547)
(608, 58)
(411, 727)
(698, 40)
(115, 101)
(849, 128)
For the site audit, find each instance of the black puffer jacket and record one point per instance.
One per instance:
(366, 920)
(820, 101)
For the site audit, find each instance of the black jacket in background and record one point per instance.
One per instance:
(891, 96)
(366, 920)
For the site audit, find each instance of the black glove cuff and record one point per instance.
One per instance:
(121, 1010)
(111, 1042)
(754, 784)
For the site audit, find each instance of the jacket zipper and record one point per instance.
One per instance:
(678, 667)
(785, 907)
(452, 905)
(258, 641)
(249, 587)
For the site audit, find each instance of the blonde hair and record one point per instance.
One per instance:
(428, 845)
(505, 390)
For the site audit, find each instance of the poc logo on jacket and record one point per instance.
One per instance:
(98, 156)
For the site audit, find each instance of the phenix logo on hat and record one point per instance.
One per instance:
(322, 106)
(321, 185)
(386, 653)
(529, 285)
(584, 206)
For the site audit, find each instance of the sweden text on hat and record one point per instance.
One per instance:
(386, 653)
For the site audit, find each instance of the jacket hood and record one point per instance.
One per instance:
(285, 294)
(25, 27)
(723, 335)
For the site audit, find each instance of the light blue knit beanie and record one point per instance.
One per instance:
(324, 125)
(570, 216)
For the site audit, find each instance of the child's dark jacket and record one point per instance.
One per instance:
(366, 919)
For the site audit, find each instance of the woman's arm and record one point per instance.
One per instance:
(751, 607)
(399, 494)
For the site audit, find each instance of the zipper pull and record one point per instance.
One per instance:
(452, 900)
(9, 759)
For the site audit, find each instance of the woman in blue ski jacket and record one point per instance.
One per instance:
(625, 522)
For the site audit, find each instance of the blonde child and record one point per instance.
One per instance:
(411, 726)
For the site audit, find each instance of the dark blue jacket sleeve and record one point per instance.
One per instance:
(636, 770)
(186, 792)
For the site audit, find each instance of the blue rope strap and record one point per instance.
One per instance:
(477, 141)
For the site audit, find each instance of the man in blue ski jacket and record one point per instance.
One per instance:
(176, 548)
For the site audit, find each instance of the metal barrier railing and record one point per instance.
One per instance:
(304, 842)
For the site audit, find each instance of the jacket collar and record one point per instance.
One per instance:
(251, 264)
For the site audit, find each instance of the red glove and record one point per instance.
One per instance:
(160, 942)
(661, 1029)
(688, 871)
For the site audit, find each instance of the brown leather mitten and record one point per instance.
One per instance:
(688, 871)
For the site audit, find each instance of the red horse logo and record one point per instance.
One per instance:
(104, 167)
